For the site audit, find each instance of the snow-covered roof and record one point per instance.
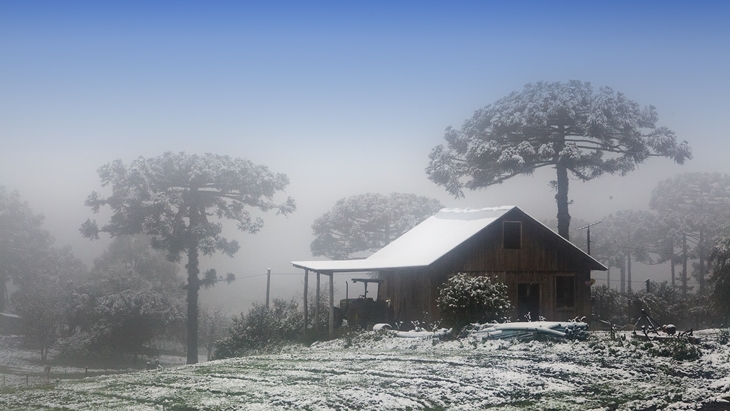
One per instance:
(424, 243)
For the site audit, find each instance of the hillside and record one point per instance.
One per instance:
(373, 372)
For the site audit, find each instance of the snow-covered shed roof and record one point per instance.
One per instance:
(424, 243)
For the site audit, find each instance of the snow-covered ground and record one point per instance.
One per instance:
(375, 372)
(21, 367)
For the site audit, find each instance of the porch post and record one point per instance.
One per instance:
(332, 306)
(316, 308)
(306, 308)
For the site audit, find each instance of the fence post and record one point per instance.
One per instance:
(268, 285)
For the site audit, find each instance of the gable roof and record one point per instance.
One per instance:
(428, 241)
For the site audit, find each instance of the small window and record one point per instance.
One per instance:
(564, 291)
(512, 238)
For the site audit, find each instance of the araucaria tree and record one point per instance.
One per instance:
(368, 222)
(697, 206)
(566, 126)
(622, 238)
(171, 198)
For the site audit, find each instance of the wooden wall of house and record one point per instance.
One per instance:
(410, 293)
(540, 260)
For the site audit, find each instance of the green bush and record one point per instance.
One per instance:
(262, 329)
(466, 299)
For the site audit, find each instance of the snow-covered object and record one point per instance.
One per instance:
(417, 333)
(427, 242)
(440, 333)
(528, 329)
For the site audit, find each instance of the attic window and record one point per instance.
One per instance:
(512, 235)
(564, 291)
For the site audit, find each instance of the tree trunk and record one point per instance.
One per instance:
(193, 287)
(623, 277)
(561, 198)
(684, 264)
(628, 273)
(3, 292)
(701, 255)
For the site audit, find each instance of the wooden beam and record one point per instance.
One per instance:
(332, 306)
(316, 307)
(306, 307)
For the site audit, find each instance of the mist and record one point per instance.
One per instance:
(343, 99)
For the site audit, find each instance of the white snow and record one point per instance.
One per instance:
(426, 242)
(375, 371)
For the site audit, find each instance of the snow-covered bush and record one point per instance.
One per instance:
(262, 329)
(121, 326)
(609, 305)
(466, 299)
(666, 304)
(679, 349)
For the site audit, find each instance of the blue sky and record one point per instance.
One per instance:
(345, 98)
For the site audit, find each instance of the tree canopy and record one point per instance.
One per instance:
(622, 238)
(368, 222)
(23, 242)
(132, 295)
(179, 200)
(566, 126)
(697, 206)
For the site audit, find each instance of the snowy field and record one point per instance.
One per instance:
(373, 372)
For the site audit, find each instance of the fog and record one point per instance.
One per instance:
(344, 99)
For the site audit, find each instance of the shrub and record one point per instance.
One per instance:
(666, 304)
(676, 348)
(608, 304)
(262, 329)
(466, 299)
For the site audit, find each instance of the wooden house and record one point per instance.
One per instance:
(546, 275)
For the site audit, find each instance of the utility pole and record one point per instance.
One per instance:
(588, 234)
(268, 285)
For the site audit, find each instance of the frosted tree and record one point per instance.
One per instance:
(179, 200)
(132, 295)
(214, 325)
(368, 222)
(663, 238)
(623, 238)
(566, 126)
(23, 243)
(720, 259)
(697, 206)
